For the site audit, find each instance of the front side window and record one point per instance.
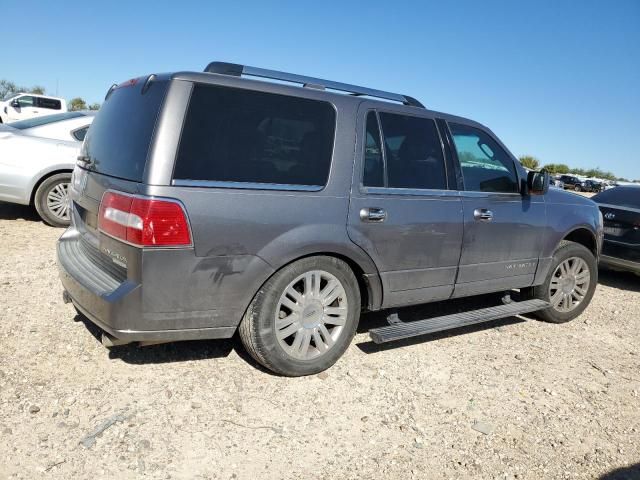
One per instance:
(25, 101)
(486, 166)
(49, 103)
(412, 150)
(236, 135)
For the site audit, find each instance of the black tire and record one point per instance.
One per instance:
(578, 188)
(40, 199)
(566, 250)
(258, 330)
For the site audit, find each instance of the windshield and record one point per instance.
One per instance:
(9, 97)
(39, 121)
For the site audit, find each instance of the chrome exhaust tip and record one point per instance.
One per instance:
(111, 341)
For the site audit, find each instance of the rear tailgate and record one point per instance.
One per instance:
(114, 157)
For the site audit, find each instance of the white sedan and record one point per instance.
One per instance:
(37, 157)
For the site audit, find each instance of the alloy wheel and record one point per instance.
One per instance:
(311, 315)
(58, 201)
(569, 284)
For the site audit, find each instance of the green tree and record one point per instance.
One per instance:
(94, 106)
(7, 88)
(10, 88)
(556, 168)
(527, 161)
(77, 103)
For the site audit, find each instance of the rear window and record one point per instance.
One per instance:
(621, 196)
(117, 143)
(235, 135)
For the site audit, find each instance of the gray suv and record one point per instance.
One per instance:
(205, 203)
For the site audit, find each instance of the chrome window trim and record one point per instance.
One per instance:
(478, 194)
(247, 185)
(415, 192)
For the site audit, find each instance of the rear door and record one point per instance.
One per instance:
(402, 212)
(503, 229)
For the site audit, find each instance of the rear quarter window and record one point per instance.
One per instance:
(49, 103)
(236, 135)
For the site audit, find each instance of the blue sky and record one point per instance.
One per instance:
(559, 80)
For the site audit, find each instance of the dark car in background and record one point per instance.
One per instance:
(620, 207)
(590, 186)
(571, 182)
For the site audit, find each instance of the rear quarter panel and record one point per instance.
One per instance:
(242, 236)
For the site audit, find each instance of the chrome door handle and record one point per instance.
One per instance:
(483, 214)
(373, 215)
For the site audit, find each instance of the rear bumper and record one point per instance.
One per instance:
(128, 336)
(116, 304)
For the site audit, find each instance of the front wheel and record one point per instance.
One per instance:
(570, 283)
(52, 200)
(303, 318)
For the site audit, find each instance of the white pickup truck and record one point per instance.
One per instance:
(21, 106)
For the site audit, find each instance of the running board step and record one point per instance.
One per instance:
(399, 330)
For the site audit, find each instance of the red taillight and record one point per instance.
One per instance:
(147, 222)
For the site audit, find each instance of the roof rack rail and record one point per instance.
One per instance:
(237, 70)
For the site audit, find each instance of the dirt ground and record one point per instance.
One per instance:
(513, 399)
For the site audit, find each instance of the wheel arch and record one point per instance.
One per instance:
(42, 178)
(369, 284)
(584, 237)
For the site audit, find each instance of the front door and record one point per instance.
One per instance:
(503, 229)
(24, 109)
(401, 210)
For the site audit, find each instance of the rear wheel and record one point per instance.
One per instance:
(570, 283)
(303, 318)
(578, 188)
(52, 200)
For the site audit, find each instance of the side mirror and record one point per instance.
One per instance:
(15, 104)
(538, 182)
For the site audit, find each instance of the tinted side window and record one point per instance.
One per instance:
(25, 102)
(486, 167)
(413, 152)
(235, 135)
(373, 164)
(49, 103)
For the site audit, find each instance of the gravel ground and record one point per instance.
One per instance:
(511, 399)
